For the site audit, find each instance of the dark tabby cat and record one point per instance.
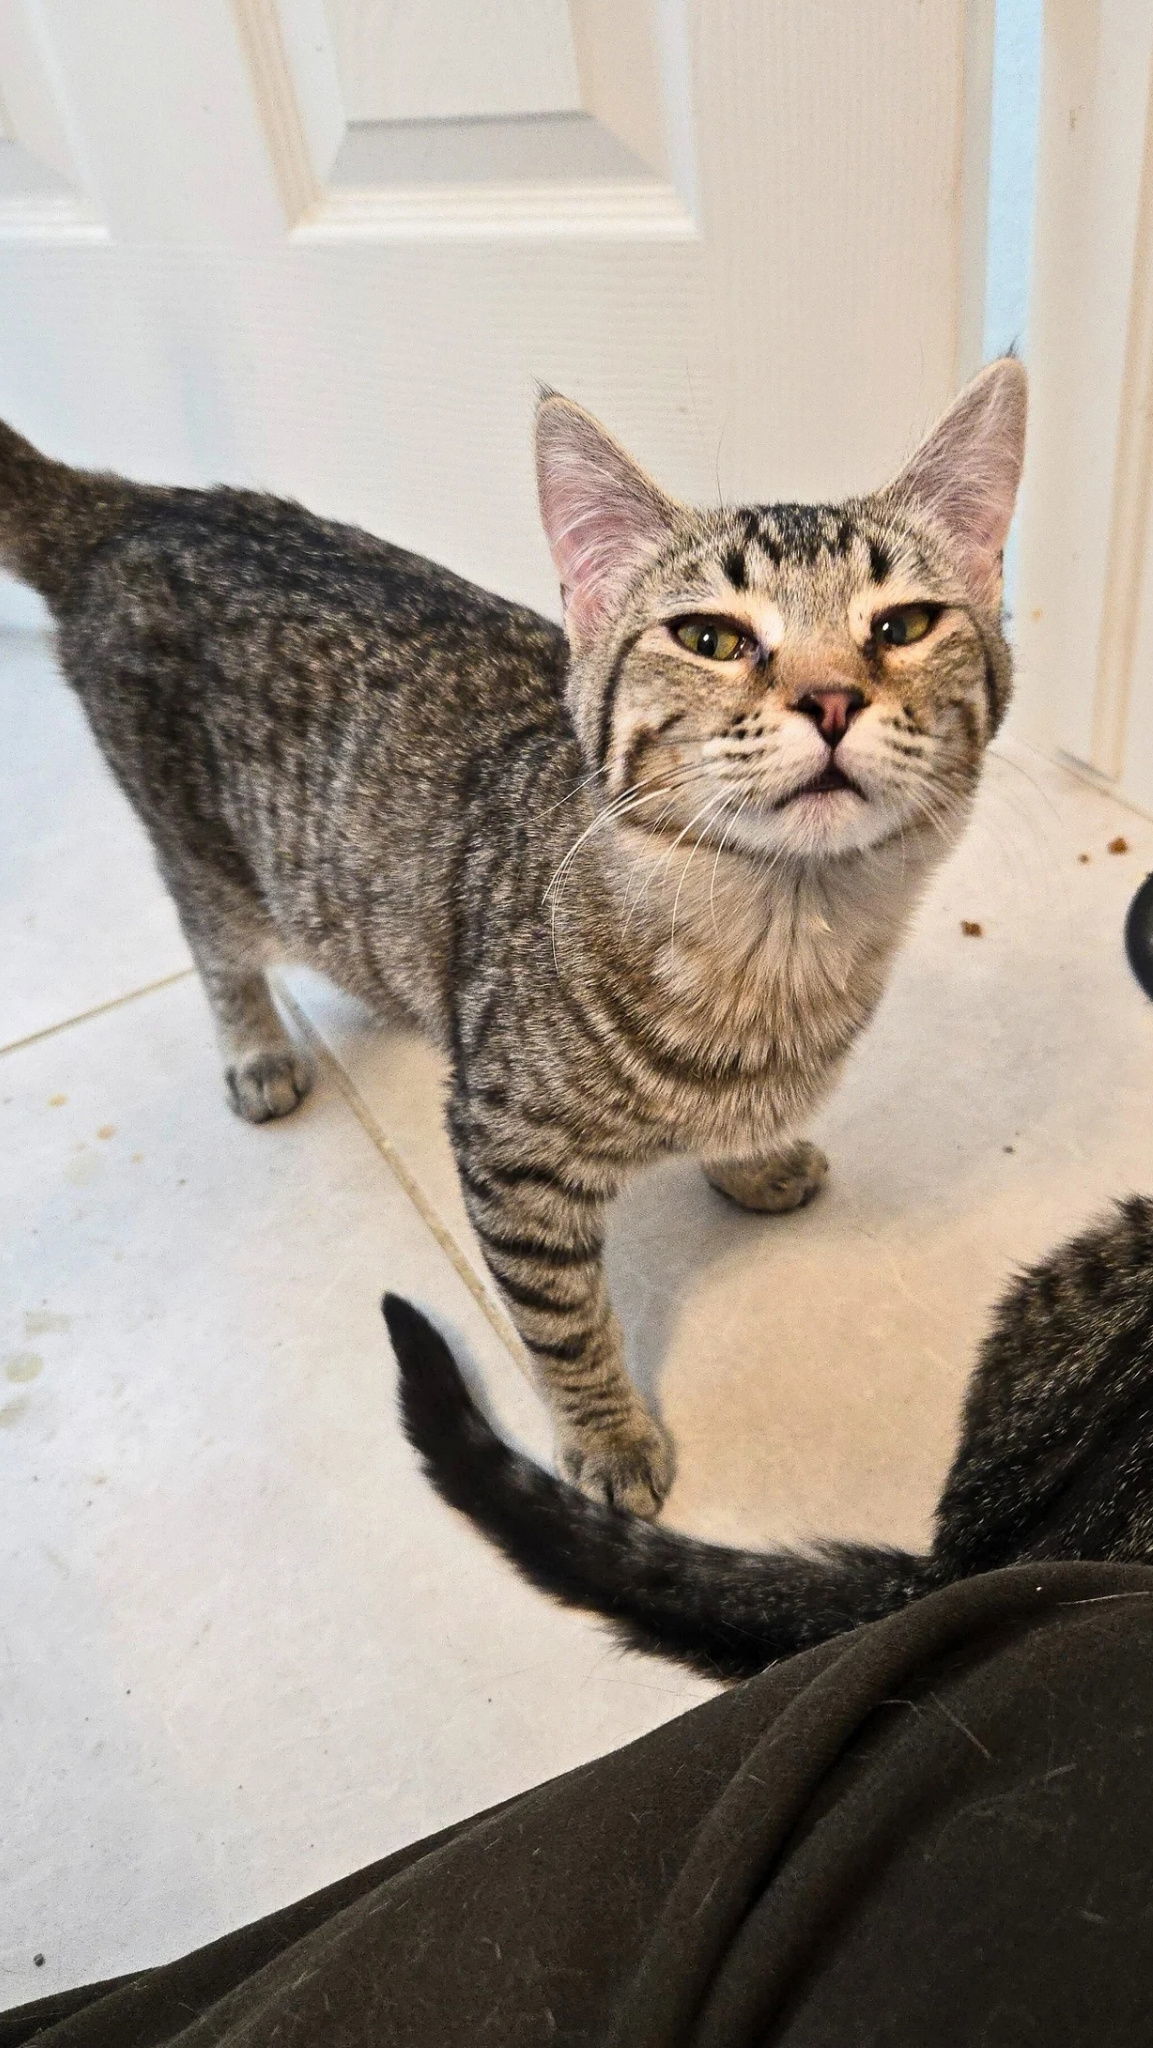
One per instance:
(643, 888)
(1055, 1461)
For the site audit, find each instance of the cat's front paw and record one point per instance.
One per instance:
(629, 1466)
(268, 1084)
(786, 1180)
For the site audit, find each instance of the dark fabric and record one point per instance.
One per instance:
(936, 1830)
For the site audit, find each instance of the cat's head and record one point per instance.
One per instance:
(805, 680)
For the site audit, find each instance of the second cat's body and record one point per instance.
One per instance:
(349, 756)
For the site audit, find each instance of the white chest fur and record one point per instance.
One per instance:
(767, 978)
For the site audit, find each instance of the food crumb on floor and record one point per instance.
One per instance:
(1118, 845)
(971, 929)
(1084, 859)
(57, 1101)
(39, 1961)
(106, 1131)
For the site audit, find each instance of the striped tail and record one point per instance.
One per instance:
(51, 516)
(724, 1612)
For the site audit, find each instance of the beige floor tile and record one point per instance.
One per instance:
(83, 915)
(246, 1649)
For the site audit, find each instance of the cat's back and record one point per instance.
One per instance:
(255, 590)
(316, 713)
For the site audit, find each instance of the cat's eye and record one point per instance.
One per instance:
(713, 639)
(905, 623)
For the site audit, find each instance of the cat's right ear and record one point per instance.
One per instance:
(603, 517)
(965, 476)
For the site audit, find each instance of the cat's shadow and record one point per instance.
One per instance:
(665, 1230)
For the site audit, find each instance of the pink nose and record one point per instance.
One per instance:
(832, 711)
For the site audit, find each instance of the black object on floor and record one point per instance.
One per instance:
(938, 1828)
(1139, 935)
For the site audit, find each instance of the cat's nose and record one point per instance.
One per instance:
(832, 711)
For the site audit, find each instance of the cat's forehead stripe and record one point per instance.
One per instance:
(770, 537)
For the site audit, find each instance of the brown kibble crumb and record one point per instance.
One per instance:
(1118, 845)
(1008, 1148)
(57, 1101)
(106, 1131)
(972, 930)
(1084, 859)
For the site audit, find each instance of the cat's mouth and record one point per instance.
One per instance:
(826, 783)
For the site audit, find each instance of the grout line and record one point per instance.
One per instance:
(150, 988)
(331, 1066)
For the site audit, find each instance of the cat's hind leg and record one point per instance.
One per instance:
(232, 940)
(265, 1074)
(784, 1180)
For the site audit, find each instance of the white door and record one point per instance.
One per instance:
(329, 246)
(1085, 625)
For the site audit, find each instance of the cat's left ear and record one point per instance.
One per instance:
(965, 475)
(603, 517)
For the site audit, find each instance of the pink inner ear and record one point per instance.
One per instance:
(603, 518)
(595, 544)
(965, 476)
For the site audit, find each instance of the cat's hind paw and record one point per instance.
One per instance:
(788, 1179)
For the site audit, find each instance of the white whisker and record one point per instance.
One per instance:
(708, 808)
(629, 800)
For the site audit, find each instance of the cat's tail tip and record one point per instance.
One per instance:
(441, 1420)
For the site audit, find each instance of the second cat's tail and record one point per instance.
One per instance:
(726, 1613)
(51, 516)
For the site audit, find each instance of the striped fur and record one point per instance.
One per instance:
(1055, 1461)
(599, 880)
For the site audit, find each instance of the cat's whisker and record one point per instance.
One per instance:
(641, 881)
(621, 807)
(626, 801)
(937, 810)
(1007, 761)
(725, 838)
(1045, 827)
(593, 776)
(709, 811)
(677, 841)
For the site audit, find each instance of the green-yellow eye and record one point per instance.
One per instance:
(906, 623)
(712, 639)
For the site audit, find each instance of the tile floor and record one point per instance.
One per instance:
(244, 1648)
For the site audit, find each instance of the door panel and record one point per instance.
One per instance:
(748, 245)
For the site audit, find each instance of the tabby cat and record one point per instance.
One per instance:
(1055, 1461)
(642, 879)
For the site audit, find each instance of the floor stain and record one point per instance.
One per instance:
(23, 1365)
(12, 1411)
(39, 1322)
(106, 1131)
(82, 1169)
(57, 1101)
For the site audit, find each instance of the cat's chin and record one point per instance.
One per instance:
(818, 824)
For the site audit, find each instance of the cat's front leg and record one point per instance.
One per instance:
(783, 1180)
(541, 1229)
